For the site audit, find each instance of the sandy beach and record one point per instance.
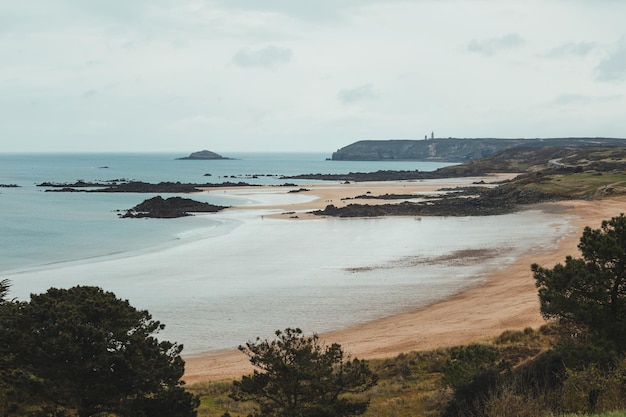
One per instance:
(506, 300)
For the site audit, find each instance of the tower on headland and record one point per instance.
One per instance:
(432, 135)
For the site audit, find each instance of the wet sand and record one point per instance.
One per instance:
(506, 300)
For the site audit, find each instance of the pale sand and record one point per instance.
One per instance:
(506, 301)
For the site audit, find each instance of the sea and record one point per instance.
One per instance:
(218, 280)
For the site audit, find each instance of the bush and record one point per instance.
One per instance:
(591, 389)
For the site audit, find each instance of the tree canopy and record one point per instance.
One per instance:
(298, 376)
(590, 291)
(83, 349)
(4, 289)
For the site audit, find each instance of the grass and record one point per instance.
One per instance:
(214, 400)
(409, 385)
(615, 414)
(585, 185)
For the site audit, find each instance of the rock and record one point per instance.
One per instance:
(203, 155)
(173, 207)
(136, 187)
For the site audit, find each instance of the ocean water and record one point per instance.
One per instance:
(38, 227)
(220, 279)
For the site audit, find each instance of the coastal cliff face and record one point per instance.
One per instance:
(452, 149)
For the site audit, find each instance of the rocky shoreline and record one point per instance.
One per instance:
(135, 187)
(466, 201)
(173, 207)
(476, 200)
(377, 176)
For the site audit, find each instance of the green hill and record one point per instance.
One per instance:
(453, 149)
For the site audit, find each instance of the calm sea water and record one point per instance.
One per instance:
(38, 227)
(219, 280)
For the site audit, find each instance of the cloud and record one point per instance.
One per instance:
(360, 93)
(571, 48)
(269, 56)
(319, 11)
(567, 99)
(613, 67)
(89, 94)
(493, 45)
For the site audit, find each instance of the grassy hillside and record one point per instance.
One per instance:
(532, 382)
(455, 149)
(533, 159)
(410, 385)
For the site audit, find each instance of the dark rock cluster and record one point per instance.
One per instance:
(135, 187)
(381, 175)
(158, 207)
(467, 201)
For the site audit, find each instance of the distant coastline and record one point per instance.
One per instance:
(455, 149)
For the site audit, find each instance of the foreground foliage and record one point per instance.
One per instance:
(82, 351)
(409, 385)
(298, 376)
(590, 291)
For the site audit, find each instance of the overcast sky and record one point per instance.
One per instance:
(304, 75)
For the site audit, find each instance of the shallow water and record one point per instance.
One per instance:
(38, 227)
(256, 276)
(220, 279)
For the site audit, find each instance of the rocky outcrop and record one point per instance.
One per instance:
(203, 155)
(453, 149)
(135, 187)
(449, 150)
(464, 201)
(373, 176)
(173, 207)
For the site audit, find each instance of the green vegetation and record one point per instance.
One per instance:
(585, 186)
(411, 384)
(597, 415)
(83, 352)
(590, 291)
(300, 377)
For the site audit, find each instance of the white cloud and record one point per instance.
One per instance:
(613, 67)
(319, 11)
(360, 93)
(285, 74)
(89, 93)
(493, 45)
(268, 56)
(567, 99)
(572, 49)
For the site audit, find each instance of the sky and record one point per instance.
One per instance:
(297, 75)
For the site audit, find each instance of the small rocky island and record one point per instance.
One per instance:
(173, 207)
(203, 155)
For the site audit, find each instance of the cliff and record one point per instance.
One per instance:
(452, 149)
